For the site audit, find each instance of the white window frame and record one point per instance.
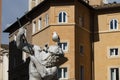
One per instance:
(36, 2)
(81, 21)
(34, 27)
(62, 73)
(39, 23)
(62, 46)
(113, 24)
(114, 54)
(62, 17)
(15, 37)
(109, 72)
(46, 20)
(30, 3)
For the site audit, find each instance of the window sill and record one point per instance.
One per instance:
(108, 31)
(63, 79)
(113, 57)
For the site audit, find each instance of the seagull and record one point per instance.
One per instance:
(55, 37)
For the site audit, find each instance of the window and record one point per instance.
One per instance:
(113, 24)
(62, 17)
(63, 46)
(47, 20)
(36, 2)
(81, 72)
(81, 21)
(114, 52)
(62, 73)
(114, 73)
(25, 32)
(34, 27)
(15, 37)
(81, 49)
(40, 23)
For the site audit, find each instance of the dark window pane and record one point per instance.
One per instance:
(115, 24)
(117, 74)
(60, 45)
(64, 17)
(59, 73)
(111, 52)
(114, 74)
(81, 73)
(111, 24)
(60, 17)
(64, 46)
(116, 51)
(65, 72)
(81, 49)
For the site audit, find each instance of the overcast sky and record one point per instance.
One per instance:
(11, 9)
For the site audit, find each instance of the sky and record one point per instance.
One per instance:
(115, 0)
(11, 9)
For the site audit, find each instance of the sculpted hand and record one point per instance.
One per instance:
(19, 39)
(21, 31)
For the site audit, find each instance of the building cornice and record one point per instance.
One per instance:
(29, 16)
(107, 6)
(51, 25)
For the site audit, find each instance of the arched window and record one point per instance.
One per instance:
(39, 23)
(113, 24)
(46, 20)
(15, 39)
(35, 2)
(25, 32)
(34, 27)
(62, 17)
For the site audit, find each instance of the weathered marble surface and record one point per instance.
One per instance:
(44, 62)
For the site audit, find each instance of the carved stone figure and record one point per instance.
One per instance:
(43, 62)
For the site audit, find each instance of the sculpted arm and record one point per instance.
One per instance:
(21, 43)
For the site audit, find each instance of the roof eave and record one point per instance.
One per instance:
(27, 17)
(24, 19)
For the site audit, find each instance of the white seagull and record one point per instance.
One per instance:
(55, 37)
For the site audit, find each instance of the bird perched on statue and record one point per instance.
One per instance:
(55, 37)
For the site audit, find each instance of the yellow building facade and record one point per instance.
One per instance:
(106, 47)
(78, 35)
(71, 34)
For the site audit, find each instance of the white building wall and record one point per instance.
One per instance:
(32, 2)
(5, 66)
(1, 71)
(29, 5)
